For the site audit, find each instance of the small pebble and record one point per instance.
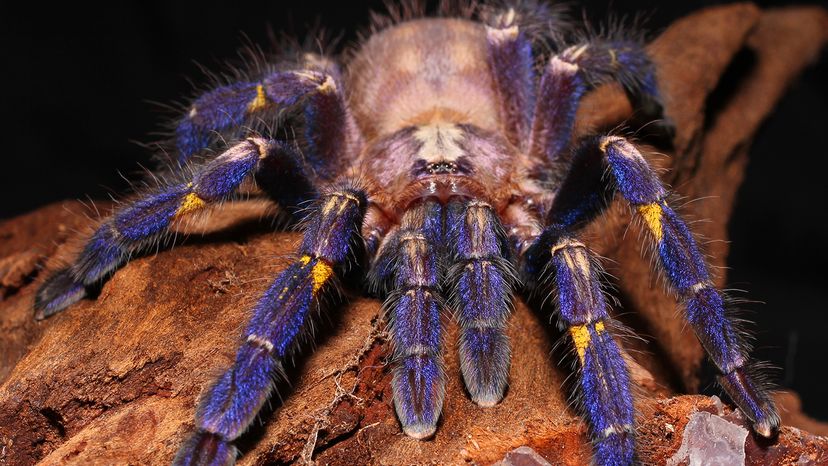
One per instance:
(522, 456)
(709, 440)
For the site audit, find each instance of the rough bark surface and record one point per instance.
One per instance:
(115, 380)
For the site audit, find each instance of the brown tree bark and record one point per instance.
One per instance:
(115, 380)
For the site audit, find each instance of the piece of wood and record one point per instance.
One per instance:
(115, 380)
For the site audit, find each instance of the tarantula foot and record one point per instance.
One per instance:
(484, 362)
(420, 431)
(487, 400)
(753, 400)
(767, 428)
(486, 393)
(418, 396)
(57, 293)
(206, 449)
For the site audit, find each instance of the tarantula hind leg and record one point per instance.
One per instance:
(579, 68)
(145, 221)
(510, 58)
(687, 275)
(227, 408)
(603, 379)
(327, 117)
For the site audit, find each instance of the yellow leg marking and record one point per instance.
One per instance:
(576, 257)
(191, 203)
(342, 207)
(581, 260)
(581, 337)
(599, 327)
(321, 273)
(652, 216)
(557, 248)
(259, 102)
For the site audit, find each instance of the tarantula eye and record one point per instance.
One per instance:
(441, 167)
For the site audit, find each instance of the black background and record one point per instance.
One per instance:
(76, 82)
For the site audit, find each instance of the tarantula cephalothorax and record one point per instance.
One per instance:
(440, 156)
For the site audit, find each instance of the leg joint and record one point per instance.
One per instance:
(566, 243)
(260, 342)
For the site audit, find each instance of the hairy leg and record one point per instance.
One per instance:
(568, 76)
(511, 61)
(687, 274)
(146, 221)
(580, 197)
(410, 260)
(480, 280)
(603, 379)
(230, 405)
(329, 129)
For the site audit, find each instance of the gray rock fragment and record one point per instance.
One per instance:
(710, 440)
(523, 456)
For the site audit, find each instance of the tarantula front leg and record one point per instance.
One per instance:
(687, 274)
(329, 130)
(409, 260)
(230, 405)
(603, 380)
(480, 279)
(145, 221)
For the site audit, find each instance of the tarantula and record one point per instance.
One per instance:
(441, 157)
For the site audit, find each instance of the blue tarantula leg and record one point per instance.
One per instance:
(511, 61)
(622, 60)
(570, 74)
(687, 274)
(285, 177)
(561, 88)
(481, 283)
(146, 220)
(228, 407)
(328, 122)
(582, 310)
(413, 307)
